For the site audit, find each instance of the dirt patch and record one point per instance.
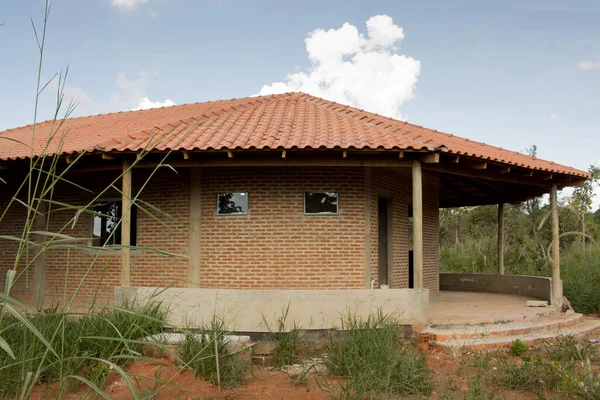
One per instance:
(160, 379)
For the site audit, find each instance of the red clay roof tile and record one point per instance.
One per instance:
(286, 121)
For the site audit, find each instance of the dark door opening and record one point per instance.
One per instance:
(383, 252)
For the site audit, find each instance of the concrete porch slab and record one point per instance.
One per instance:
(471, 308)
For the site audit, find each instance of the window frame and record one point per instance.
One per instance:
(133, 222)
(236, 214)
(323, 214)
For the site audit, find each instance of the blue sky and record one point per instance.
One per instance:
(512, 73)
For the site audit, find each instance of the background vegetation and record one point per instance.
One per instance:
(468, 242)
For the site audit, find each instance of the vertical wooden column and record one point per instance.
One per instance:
(39, 264)
(557, 291)
(195, 251)
(367, 227)
(417, 193)
(126, 224)
(500, 239)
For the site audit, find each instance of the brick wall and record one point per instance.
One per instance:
(12, 225)
(165, 231)
(275, 246)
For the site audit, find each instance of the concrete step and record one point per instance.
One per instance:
(512, 328)
(497, 342)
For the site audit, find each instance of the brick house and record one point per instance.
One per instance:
(264, 199)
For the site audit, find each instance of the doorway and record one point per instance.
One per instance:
(384, 253)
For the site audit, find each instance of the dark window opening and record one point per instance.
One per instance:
(106, 229)
(232, 203)
(320, 203)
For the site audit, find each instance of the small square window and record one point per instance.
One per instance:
(320, 203)
(232, 203)
(106, 229)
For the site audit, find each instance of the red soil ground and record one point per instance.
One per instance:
(451, 378)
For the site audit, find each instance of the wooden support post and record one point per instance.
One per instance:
(417, 188)
(39, 264)
(195, 227)
(500, 239)
(126, 224)
(557, 291)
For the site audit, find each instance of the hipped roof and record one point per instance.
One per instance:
(289, 121)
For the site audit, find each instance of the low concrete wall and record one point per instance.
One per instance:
(521, 285)
(259, 310)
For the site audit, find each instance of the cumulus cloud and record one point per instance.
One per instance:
(146, 104)
(362, 70)
(127, 5)
(587, 65)
(131, 94)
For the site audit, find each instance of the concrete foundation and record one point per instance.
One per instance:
(520, 285)
(260, 310)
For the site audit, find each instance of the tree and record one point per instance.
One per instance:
(582, 198)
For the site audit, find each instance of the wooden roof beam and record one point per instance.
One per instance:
(108, 156)
(431, 158)
(489, 175)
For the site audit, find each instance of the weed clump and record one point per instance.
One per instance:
(518, 348)
(50, 345)
(563, 367)
(286, 342)
(197, 352)
(369, 356)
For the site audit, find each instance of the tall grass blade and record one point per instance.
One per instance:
(89, 383)
(25, 321)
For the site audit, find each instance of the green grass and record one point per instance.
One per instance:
(372, 362)
(286, 343)
(197, 353)
(580, 273)
(82, 345)
(518, 348)
(561, 367)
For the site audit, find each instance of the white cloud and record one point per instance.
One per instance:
(554, 116)
(146, 104)
(134, 90)
(131, 94)
(127, 5)
(587, 65)
(365, 71)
